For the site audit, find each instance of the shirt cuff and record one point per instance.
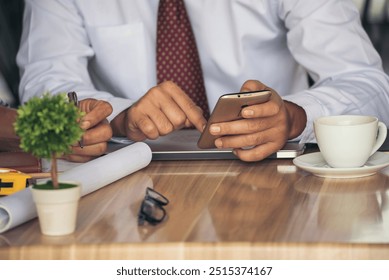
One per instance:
(118, 105)
(313, 109)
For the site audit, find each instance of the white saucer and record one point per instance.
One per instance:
(315, 164)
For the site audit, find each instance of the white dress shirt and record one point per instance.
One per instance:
(106, 49)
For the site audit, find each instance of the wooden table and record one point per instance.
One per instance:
(223, 209)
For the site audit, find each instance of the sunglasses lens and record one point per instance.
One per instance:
(157, 196)
(151, 211)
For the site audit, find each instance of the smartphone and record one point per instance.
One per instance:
(228, 108)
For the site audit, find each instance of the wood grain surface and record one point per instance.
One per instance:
(222, 209)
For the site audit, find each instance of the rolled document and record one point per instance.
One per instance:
(19, 207)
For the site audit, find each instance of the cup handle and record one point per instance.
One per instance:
(382, 131)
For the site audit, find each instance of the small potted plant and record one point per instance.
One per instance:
(47, 127)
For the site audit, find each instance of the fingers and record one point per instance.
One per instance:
(254, 146)
(246, 136)
(101, 132)
(94, 143)
(86, 153)
(97, 131)
(258, 152)
(141, 128)
(270, 108)
(179, 107)
(193, 113)
(253, 85)
(96, 111)
(267, 109)
(272, 134)
(161, 110)
(257, 118)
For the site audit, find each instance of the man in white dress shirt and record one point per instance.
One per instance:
(105, 49)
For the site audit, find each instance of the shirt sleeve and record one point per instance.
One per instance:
(327, 39)
(54, 54)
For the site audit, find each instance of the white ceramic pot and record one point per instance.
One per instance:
(57, 209)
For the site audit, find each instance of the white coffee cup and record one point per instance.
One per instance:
(348, 141)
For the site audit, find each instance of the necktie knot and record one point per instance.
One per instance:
(173, 8)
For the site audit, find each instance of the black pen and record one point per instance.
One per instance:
(72, 96)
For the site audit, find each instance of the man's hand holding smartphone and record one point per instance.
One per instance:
(260, 130)
(229, 108)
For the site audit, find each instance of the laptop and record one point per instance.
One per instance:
(182, 145)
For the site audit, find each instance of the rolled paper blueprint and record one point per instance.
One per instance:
(19, 207)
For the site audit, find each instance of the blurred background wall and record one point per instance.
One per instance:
(11, 12)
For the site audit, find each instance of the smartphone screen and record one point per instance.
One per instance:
(228, 108)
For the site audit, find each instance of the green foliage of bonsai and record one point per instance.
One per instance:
(47, 127)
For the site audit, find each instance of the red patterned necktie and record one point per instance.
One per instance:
(177, 55)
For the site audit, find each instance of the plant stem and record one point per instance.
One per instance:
(54, 173)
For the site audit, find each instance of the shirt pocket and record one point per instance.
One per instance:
(120, 60)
